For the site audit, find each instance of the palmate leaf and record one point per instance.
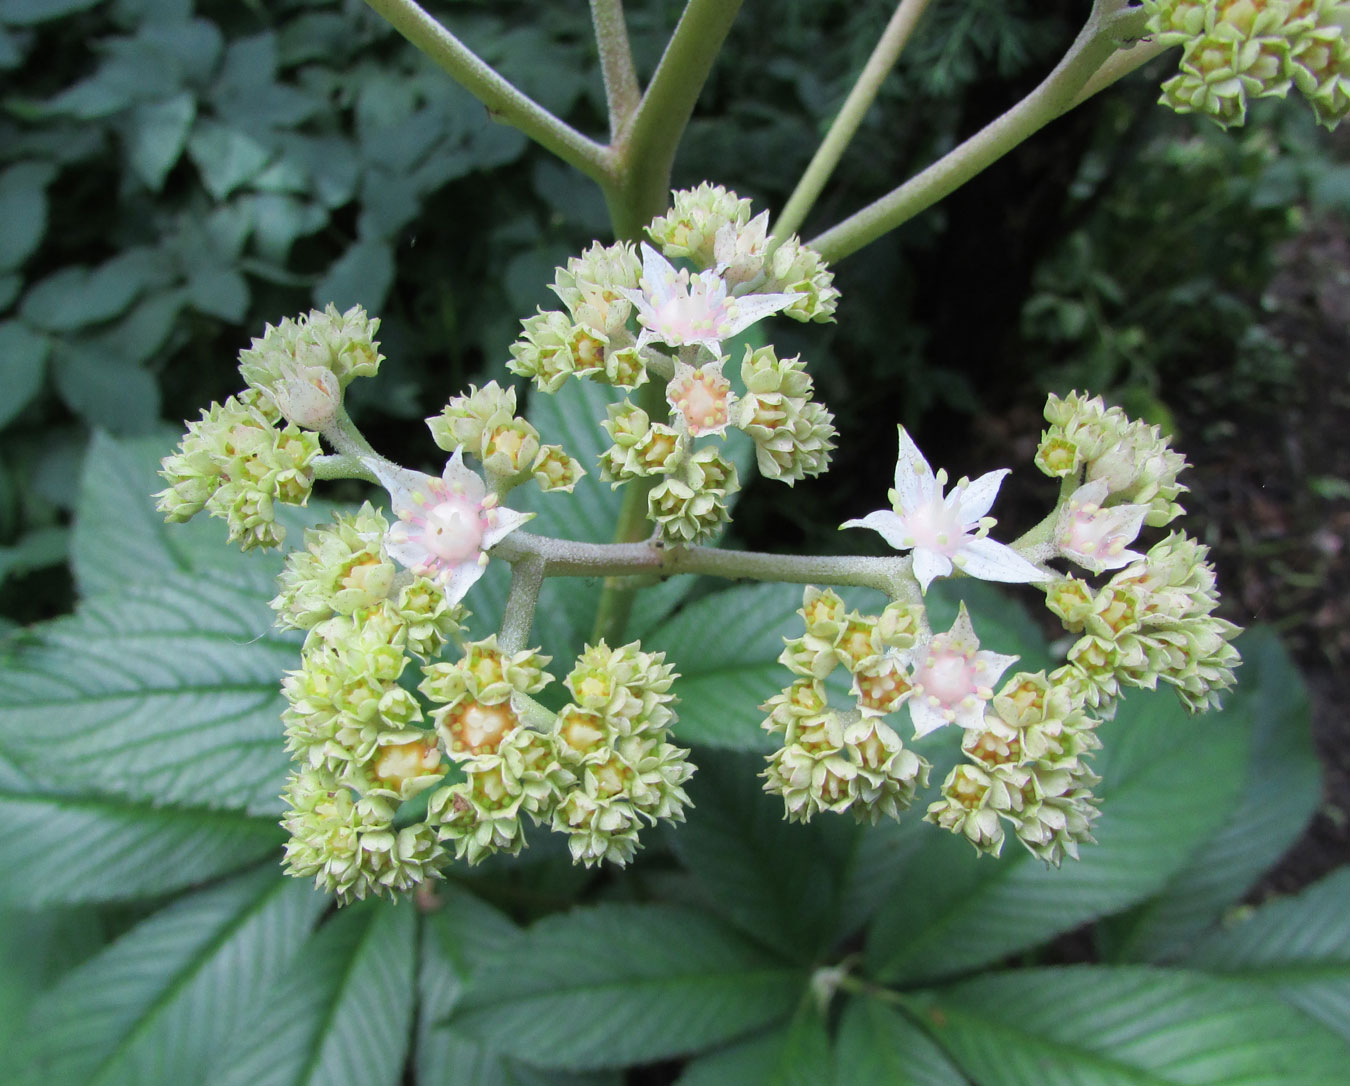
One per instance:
(776, 881)
(1127, 1026)
(341, 1015)
(953, 910)
(458, 936)
(877, 1043)
(794, 1054)
(1280, 794)
(618, 984)
(159, 1003)
(1297, 948)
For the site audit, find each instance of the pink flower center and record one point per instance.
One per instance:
(937, 527)
(454, 530)
(948, 675)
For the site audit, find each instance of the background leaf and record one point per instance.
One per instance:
(159, 1003)
(341, 1015)
(795, 1054)
(954, 910)
(877, 1043)
(1089, 1025)
(1277, 800)
(1297, 948)
(617, 984)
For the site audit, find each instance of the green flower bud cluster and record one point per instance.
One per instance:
(1026, 768)
(612, 739)
(340, 343)
(355, 731)
(488, 729)
(689, 504)
(1087, 441)
(849, 760)
(1152, 620)
(712, 227)
(793, 434)
(1238, 50)
(345, 572)
(591, 339)
(595, 771)
(485, 425)
(236, 463)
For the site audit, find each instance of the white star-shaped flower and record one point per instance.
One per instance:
(1097, 538)
(681, 310)
(445, 525)
(945, 532)
(953, 679)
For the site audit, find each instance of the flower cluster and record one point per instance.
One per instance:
(595, 771)
(1026, 767)
(237, 463)
(356, 733)
(632, 316)
(850, 759)
(1238, 50)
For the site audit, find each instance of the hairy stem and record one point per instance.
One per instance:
(893, 39)
(1097, 41)
(647, 150)
(527, 577)
(502, 98)
(616, 64)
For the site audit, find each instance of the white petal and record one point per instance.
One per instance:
(508, 520)
(461, 479)
(992, 666)
(991, 561)
(925, 717)
(929, 564)
(979, 495)
(658, 272)
(1094, 492)
(406, 553)
(753, 307)
(962, 634)
(889, 525)
(459, 579)
(403, 484)
(914, 479)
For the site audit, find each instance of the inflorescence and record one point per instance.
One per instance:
(394, 774)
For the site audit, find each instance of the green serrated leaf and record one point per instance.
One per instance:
(877, 1043)
(619, 984)
(106, 392)
(340, 1016)
(1091, 1025)
(776, 881)
(167, 693)
(955, 910)
(23, 210)
(23, 365)
(159, 132)
(1279, 797)
(796, 1054)
(161, 1002)
(80, 849)
(220, 292)
(1297, 948)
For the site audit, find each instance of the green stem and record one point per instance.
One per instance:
(618, 592)
(647, 151)
(616, 64)
(564, 558)
(502, 98)
(527, 577)
(1097, 41)
(879, 64)
(1118, 66)
(342, 466)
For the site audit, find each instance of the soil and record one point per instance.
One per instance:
(1271, 486)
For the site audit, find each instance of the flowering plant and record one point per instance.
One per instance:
(427, 746)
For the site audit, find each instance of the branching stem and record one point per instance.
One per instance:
(616, 64)
(893, 39)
